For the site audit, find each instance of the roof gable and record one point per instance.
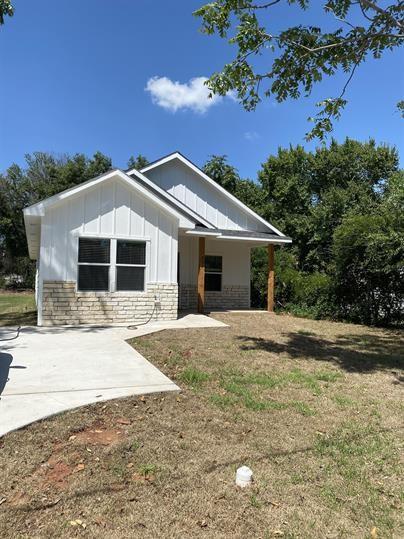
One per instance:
(232, 200)
(38, 209)
(34, 214)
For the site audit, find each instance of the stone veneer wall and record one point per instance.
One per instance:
(62, 304)
(230, 297)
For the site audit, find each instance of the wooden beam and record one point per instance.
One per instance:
(271, 279)
(201, 276)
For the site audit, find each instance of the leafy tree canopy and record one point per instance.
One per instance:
(224, 174)
(296, 58)
(43, 176)
(6, 8)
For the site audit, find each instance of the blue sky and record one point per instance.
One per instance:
(73, 75)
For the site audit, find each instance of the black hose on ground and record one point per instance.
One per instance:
(15, 337)
(144, 323)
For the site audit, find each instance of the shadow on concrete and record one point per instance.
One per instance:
(5, 363)
(363, 353)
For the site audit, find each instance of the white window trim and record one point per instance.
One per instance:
(214, 273)
(112, 276)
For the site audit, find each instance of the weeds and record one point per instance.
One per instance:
(193, 377)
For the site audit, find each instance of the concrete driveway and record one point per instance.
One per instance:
(47, 370)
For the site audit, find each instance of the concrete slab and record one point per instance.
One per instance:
(45, 371)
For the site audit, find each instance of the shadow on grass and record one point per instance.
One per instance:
(27, 318)
(359, 353)
(354, 437)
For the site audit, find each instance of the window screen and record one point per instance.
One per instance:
(213, 263)
(213, 273)
(131, 252)
(129, 278)
(94, 250)
(93, 278)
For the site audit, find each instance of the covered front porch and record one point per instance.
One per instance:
(214, 270)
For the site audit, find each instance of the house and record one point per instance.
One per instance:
(132, 245)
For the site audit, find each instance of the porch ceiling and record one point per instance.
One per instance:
(243, 235)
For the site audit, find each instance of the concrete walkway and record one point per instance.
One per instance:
(48, 370)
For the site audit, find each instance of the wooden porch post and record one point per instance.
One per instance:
(271, 278)
(201, 276)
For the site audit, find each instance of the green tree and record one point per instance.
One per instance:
(369, 264)
(249, 192)
(286, 180)
(308, 194)
(286, 64)
(44, 176)
(6, 9)
(138, 162)
(224, 174)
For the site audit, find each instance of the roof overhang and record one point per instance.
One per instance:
(258, 238)
(33, 233)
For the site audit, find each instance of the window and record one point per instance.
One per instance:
(130, 265)
(94, 260)
(109, 265)
(213, 273)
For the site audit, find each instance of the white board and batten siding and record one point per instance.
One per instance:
(193, 191)
(110, 210)
(235, 259)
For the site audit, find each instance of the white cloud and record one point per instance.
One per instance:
(173, 95)
(251, 135)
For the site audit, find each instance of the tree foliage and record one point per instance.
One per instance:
(6, 9)
(138, 162)
(287, 64)
(343, 206)
(368, 254)
(44, 176)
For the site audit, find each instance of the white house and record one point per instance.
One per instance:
(127, 246)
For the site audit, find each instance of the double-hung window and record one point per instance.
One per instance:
(111, 265)
(94, 264)
(130, 265)
(213, 273)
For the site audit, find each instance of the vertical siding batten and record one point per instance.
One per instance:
(112, 211)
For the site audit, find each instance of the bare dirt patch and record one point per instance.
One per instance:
(105, 437)
(56, 474)
(314, 408)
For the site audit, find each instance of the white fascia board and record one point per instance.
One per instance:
(203, 233)
(170, 197)
(257, 240)
(218, 187)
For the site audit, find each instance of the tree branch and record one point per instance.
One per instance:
(367, 4)
(263, 6)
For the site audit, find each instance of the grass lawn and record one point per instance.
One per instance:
(314, 408)
(17, 309)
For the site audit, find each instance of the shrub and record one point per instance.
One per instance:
(369, 268)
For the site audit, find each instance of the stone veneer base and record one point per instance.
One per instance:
(230, 297)
(63, 305)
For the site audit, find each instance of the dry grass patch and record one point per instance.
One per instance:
(314, 408)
